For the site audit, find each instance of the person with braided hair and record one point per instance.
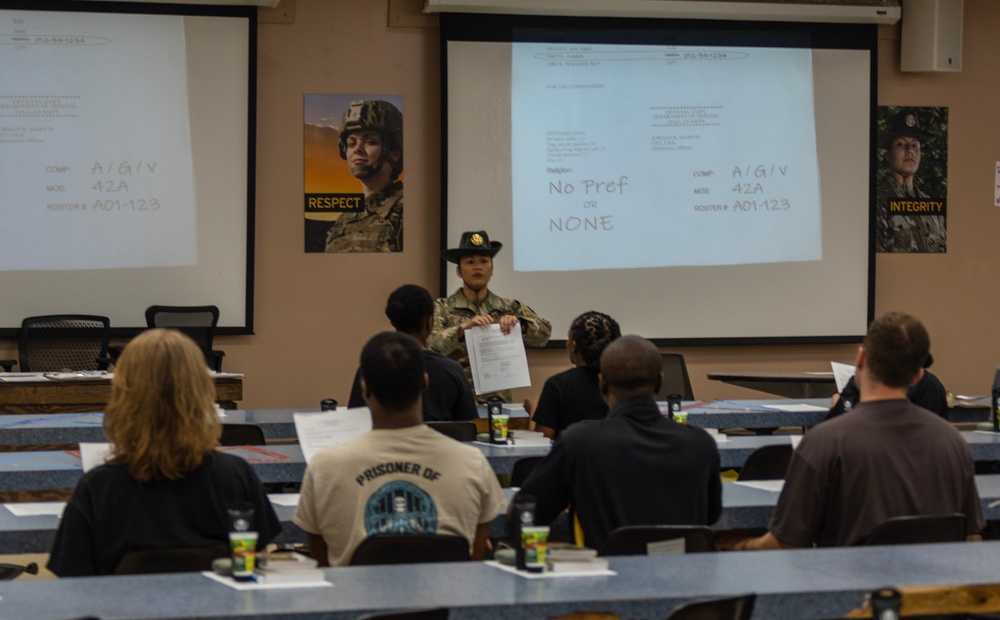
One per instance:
(410, 309)
(574, 395)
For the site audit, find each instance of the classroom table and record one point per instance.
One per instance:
(803, 584)
(43, 429)
(744, 506)
(790, 384)
(765, 413)
(284, 463)
(35, 393)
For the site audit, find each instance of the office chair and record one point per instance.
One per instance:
(242, 435)
(918, 529)
(8, 365)
(767, 463)
(462, 430)
(197, 322)
(192, 559)
(439, 613)
(726, 608)
(675, 377)
(404, 549)
(64, 342)
(522, 469)
(633, 539)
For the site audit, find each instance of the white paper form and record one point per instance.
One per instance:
(320, 430)
(498, 361)
(37, 509)
(795, 407)
(94, 454)
(842, 373)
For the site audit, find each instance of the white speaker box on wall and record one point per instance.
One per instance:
(931, 38)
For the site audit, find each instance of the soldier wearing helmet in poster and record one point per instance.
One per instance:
(371, 142)
(903, 141)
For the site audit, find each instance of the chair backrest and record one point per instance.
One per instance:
(197, 322)
(462, 430)
(767, 463)
(148, 561)
(438, 613)
(64, 342)
(522, 469)
(633, 539)
(919, 529)
(405, 549)
(725, 608)
(242, 435)
(675, 377)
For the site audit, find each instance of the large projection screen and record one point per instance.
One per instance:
(702, 182)
(126, 160)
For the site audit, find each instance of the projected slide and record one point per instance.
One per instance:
(662, 156)
(95, 142)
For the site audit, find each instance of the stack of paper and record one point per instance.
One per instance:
(288, 567)
(574, 559)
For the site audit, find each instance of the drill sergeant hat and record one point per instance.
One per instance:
(474, 243)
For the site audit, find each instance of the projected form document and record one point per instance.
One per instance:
(655, 156)
(95, 142)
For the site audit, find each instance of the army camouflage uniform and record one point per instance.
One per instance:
(378, 229)
(908, 233)
(453, 311)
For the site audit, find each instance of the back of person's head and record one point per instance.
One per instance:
(631, 365)
(161, 416)
(408, 306)
(593, 332)
(896, 347)
(392, 367)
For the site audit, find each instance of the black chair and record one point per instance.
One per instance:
(59, 342)
(195, 559)
(633, 539)
(726, 608)
(197, 322)
(439, 613)
(461, 430)
(242, 435)
(767, 463)
(13, 571)
(918, 529)
(522, 469)
(675, 377)
(8, 365)
(403, 549)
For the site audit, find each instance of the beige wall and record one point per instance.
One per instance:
(314, 311)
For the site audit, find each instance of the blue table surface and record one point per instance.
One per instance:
(742, 507)
(802, 584)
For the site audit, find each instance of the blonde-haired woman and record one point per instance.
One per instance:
(164, 485)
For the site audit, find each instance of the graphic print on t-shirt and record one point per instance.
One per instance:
(400, 507)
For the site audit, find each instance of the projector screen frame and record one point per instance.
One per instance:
(250, 15)
(501, 28)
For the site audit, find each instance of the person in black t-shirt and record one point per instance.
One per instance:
(928, 393)
(410, 309)
(164, 486)
(574, 395)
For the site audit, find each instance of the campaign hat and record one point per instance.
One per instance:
(905, 123)
(473, 243)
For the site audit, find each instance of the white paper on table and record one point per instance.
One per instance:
(329, 428)
(795, 407)
(774, 486)
(94, 454)
(796, 440)
(22, 377)
(674, 546)
(842, 373)
(284, 499)
(251, 585)
(36, 509)
(498, 361)
(548, 574)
